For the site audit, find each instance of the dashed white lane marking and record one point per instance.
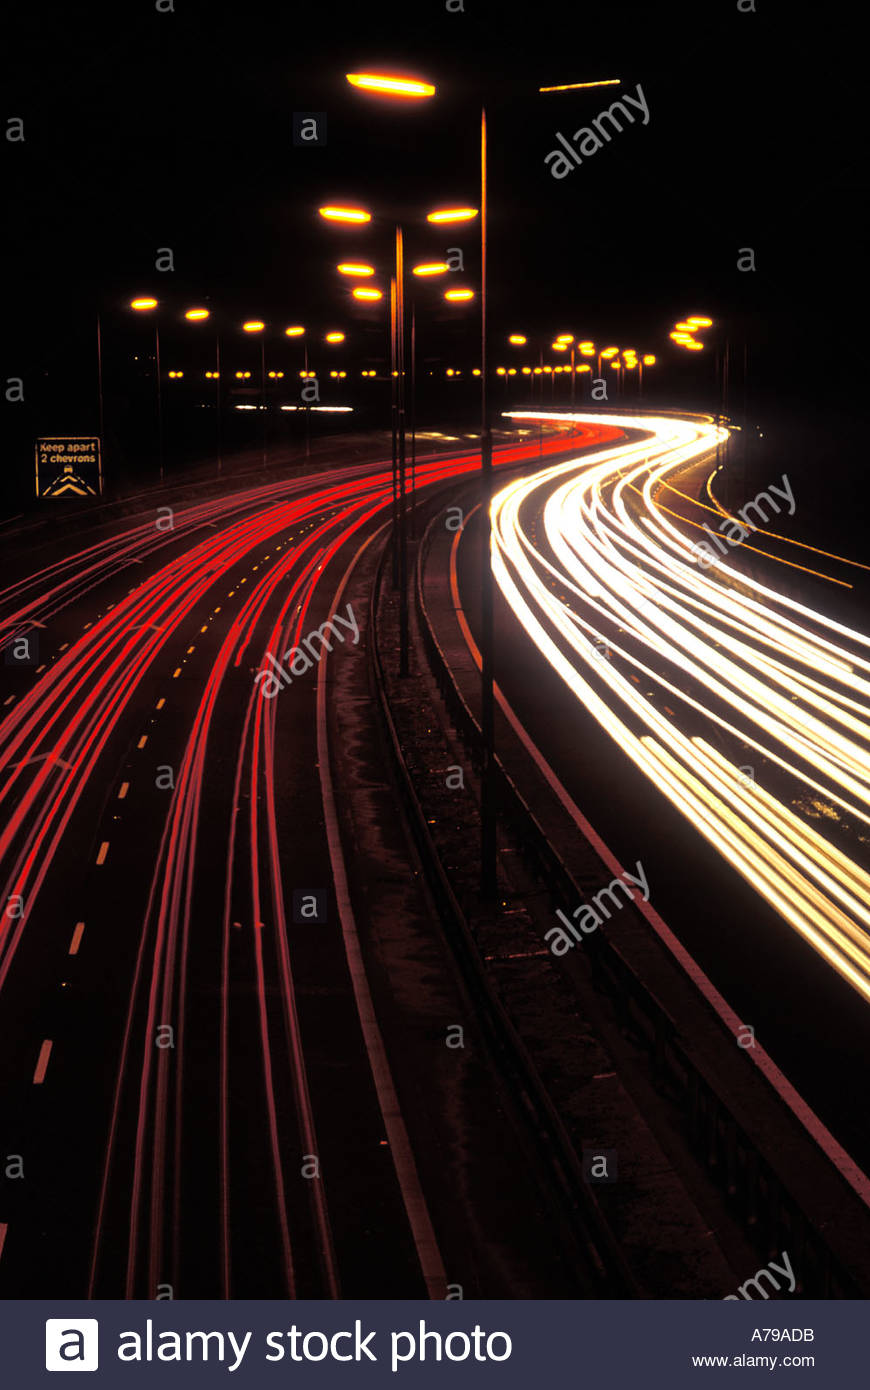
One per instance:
(42, 1062)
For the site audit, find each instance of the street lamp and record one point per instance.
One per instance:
(199, 316)
(390, 86)
(258, 326)
(144, 305)
(648, 360)
(296, 330)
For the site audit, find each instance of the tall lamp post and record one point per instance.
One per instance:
(648, 360)
(144, 304)
(199, 316)
(257, 326)
(296, 330)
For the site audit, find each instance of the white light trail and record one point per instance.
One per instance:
(755, 668)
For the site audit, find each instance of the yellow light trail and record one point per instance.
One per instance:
(764, 672)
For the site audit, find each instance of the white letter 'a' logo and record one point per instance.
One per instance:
(72, 1344)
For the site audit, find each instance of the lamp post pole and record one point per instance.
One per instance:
(307, 405)
(159, 396)
(487, 702)
(403, 518)
(217, 358)
(413, 418)
(394, 425)
(100, 383)
(263, 393)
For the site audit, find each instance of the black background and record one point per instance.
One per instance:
(147, 129)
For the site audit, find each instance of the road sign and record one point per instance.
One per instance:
(68, 466)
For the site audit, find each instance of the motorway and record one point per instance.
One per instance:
(196, 1100)
(710, 724)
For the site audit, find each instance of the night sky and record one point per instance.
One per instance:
(147, 129)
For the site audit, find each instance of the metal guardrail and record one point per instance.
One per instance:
(547, 1131)
(747, 1176)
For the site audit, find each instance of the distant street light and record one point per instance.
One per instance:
(452, 215)
(144, 304)
(648, 360)
(333, 214)
(355, 268)
(580, 86)
(390, 86)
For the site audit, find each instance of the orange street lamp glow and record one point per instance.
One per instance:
(335, 337)
(527, 371)
(559, 347)
(350, 268)
(500, 371)
(367, 294)
(390, 86)
(345, 214)
(517, 339)
(143, 303)
(584, 367)
(685, 327)
(451, 215)
(431, 268)
(458, 294)
(295, 331)
(680, 337)
(253, 326)
(697, 321)
(579, 86)
(566, 338)
(610, 352)
(587, 351)
(194, 314)
(649, 360)
(694, 347)
(587, 345)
